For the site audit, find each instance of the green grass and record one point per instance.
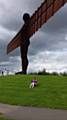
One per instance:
(50, 93)
(3, 118)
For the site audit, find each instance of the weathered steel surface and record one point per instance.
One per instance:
(14, 43)
(44, 12)
(47, 9)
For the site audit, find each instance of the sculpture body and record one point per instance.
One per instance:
(31, 24)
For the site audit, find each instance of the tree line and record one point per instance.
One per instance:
(44, 72)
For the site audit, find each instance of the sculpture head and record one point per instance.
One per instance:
(26, 18)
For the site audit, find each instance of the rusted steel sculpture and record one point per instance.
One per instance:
(47, 9)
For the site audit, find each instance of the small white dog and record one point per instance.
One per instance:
(33, 83)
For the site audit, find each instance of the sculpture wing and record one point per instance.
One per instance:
(47, 9)
(14, 43)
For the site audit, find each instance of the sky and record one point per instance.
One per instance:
(48, 47)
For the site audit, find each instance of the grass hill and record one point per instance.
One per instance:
(51, 91)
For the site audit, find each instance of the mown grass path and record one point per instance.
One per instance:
(51, 91)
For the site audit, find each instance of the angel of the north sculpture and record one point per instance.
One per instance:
(31, 24)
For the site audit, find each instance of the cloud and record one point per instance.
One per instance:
(13, 10)
(50, 60)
